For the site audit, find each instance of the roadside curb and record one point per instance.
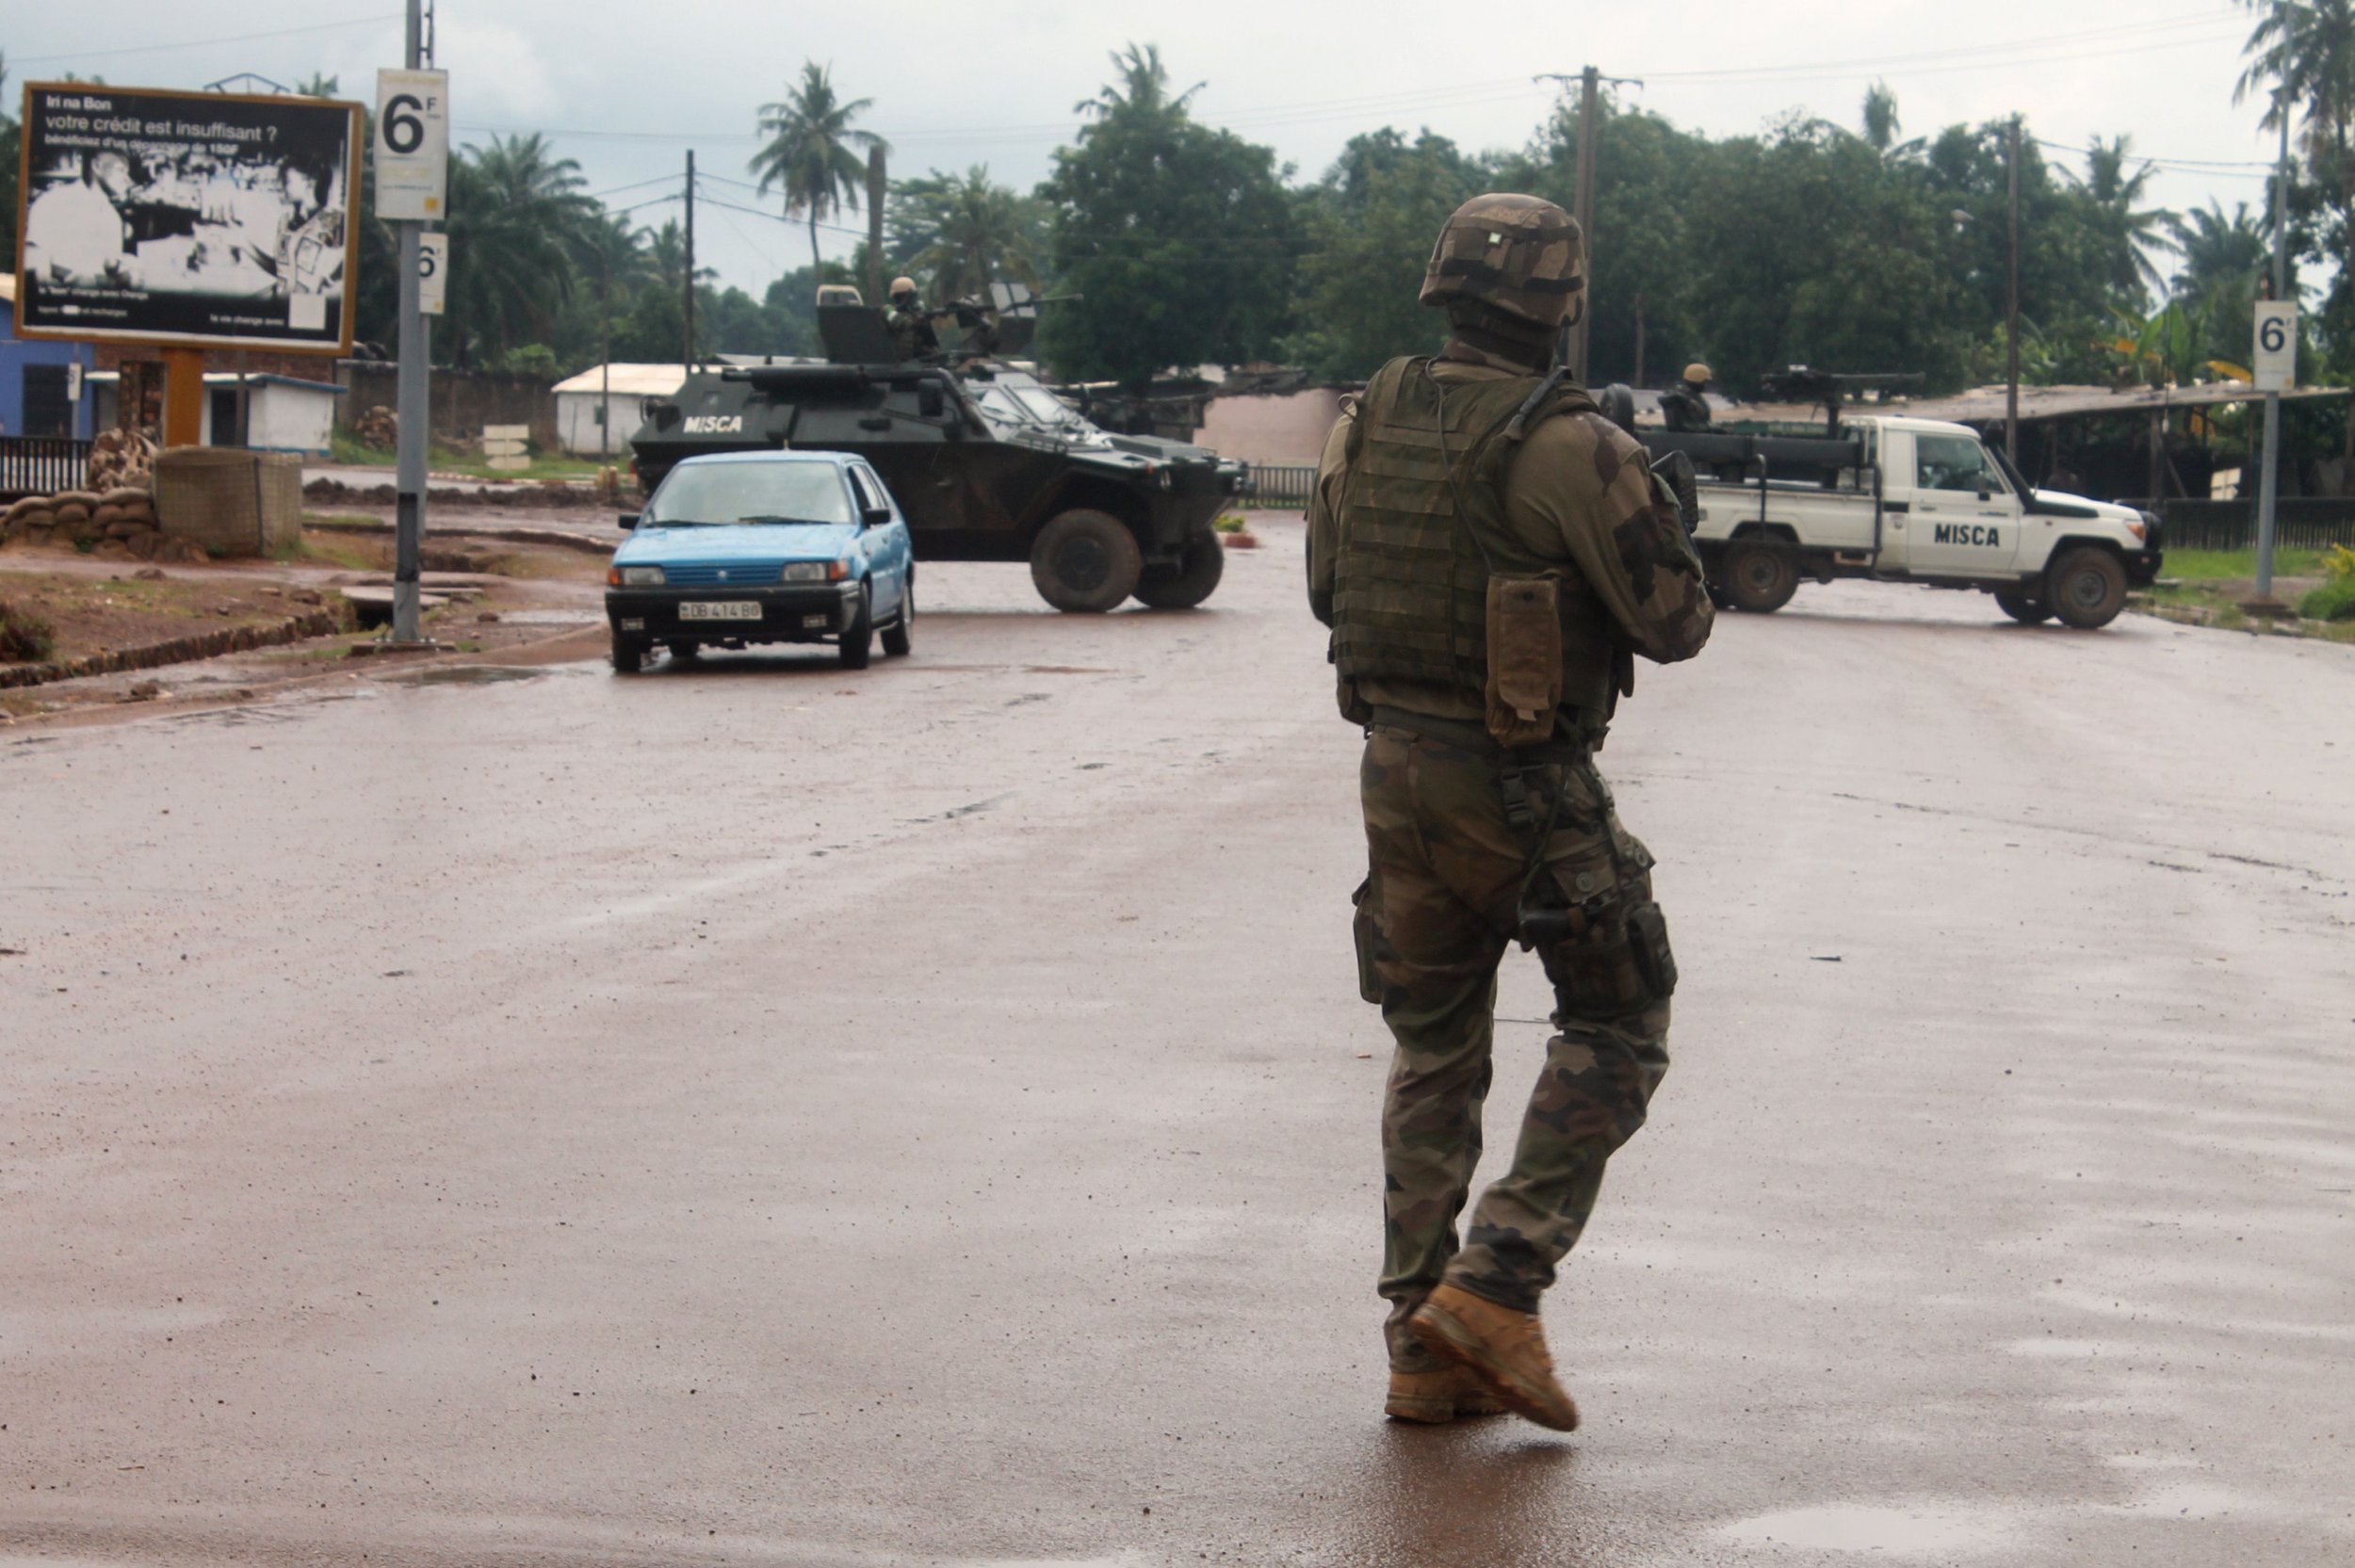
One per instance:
(510, 535)
(185, 650)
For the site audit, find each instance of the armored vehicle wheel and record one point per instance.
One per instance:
(1085, 562)
(1759, 578)
(686, 650)
(2086, 588)
(899, 636)
(2027, 611)
(858, 638)
(629, 655)
(1185, 585)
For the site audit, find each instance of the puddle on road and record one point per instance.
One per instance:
(478, 674)
(1896, 1529)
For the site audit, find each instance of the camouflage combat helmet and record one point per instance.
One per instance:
(1522, 255)
(1698, 374)
(901, 286)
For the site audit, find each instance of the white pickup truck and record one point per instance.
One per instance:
(1904, 500)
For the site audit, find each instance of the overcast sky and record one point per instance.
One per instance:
(627, 89)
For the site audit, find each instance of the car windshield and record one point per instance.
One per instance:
(725, 492)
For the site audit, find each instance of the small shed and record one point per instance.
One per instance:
(597, 410)
(262, 413)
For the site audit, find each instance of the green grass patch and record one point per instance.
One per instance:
(344, 447)
(24, 637)
(2226, 565)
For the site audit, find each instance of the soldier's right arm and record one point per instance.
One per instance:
(1325, 511)
(1583, 485)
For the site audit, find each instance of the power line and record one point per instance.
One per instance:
(208, 42)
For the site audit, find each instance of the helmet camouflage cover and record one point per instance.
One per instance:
(1522, 254)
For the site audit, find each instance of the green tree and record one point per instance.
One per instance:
(809, 155)
(1181, 239)
(2301, 57)
(317, 86)
(2133, 232)
(11, 144)
(518, 222)
(1369, 223)
(965, 233)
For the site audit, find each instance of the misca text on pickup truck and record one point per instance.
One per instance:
(1904, 500)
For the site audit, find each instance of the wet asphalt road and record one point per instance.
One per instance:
(763, 1114)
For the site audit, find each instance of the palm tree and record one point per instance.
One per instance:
(2133, 232)
(518, 219)
(2217, 249)
(2301, 56)
(1141, 92)
(317, 86)
(809, 153)
(967, 232)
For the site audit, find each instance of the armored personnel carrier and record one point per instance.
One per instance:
(986, 462)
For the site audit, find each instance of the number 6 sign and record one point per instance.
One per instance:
(2276, 366)
(412, 145)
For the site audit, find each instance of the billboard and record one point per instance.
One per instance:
(194, 218)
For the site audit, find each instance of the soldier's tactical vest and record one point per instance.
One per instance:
(1410, 579)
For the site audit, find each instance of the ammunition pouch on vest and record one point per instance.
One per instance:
(1430, 584)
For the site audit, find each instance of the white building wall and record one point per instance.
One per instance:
(577, 430)
(1287, 431)
(286, 419)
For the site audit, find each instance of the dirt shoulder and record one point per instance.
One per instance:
(485, 596)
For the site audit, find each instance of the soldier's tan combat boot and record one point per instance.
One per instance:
(1436, 1397)
(1506, 1349)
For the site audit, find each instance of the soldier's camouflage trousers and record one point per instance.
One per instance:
(1440, 904)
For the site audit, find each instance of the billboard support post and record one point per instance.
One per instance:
(184, 396)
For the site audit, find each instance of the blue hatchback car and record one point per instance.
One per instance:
(751, 547)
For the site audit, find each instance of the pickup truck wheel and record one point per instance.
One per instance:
(629, 655)
(1085, 562)
(1188, 583)
(2086, 588)
(1759, 578)
(2027, 611)
(899, 636)
(858, 638)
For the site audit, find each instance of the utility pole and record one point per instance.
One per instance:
(878, 189)
(411, 401)
(2269, 477)
(2012, 309)
(688, 357)
(1589, 97)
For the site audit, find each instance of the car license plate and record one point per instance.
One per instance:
(813, 623)
(719, 609)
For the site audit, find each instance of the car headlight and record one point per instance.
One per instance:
(641, 576)
(805, 571)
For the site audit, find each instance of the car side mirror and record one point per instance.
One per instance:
(875, 515)
(1986, 495)
(629, 519)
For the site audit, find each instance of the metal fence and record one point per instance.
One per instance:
(2301, 523)
(1275, 485)
(42, 465)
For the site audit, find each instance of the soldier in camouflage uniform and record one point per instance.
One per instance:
(910, 323)
(1491, 553)
(1686, 407)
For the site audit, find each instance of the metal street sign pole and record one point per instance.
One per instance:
(2269, 481)
(411, 406)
